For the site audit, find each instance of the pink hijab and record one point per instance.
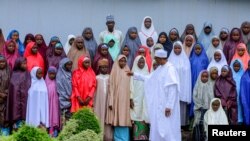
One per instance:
(10, 57)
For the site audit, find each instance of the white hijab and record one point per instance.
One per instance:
(210, 51)
(219, 64)
(182, 65)
(146, 33)
(67, 46)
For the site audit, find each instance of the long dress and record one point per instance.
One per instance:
(90, 44)
(37, 104)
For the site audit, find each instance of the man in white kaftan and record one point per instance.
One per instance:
(161, 92)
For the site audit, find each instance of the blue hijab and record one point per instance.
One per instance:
(245, 95)
(20, 44)
(198, 63)
(205, 39)
(237, 77)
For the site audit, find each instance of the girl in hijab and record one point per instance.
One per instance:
(164, 40)
(90, 42)
(202, 96)
(189, 30)
(54, 114)
(224, 35)
(238, 71)
(83, 85)
(33, 57)
(225, 90)
(147, 30)
(245, 31)
(188, 44)
(2, 40)
(145, 52)
(244, 95)
(174, 35)
(76, 51)
(133, 42)
(58, 55)
(113, 46)
(199, 61)
(229, 48)
(138, 110)
(28, 38)
(182, 64)
(242, 54)
(213, 73)
(20, 82)
(69, 43)
(64, 87)
(14, 35)
(206, 35)
(215, 115)
(4, 87)
(42, 47)
(118, 114)
(53, 41)
(10, 52)
(218, 60)
(214, 45)
(37, 104)
(102, 52)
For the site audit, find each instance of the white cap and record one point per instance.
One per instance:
(161, 53)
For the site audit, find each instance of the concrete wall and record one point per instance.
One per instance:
(63, 17)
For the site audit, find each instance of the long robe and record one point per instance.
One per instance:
(20, 82)
(119, 96)
(54, 59)
(42, 48)
(225, 89)
(244, 96)
(115, 49)
(186, 48)
(37, 104)
(64, 84)
(83, 85)
(116, 33)
(90, 44)
(162, 88)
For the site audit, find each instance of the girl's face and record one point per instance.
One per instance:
(236, 66)
(147, 23)
(3, 64)
(111, 43)
(28, 40)
(11, 47)
(214, 74)
(133, 35)
(215, 42)
(177, 49)
(71, 41)
(34, 49)
(122, 62)
(173, 36)
(79, 44)
(52, 75)
(217, 56)
(223, 35)
(125, 51)
(246, 29)
(189, 41)
(39, 40)
(190, 31)
(150, 42)
(53, 43)
(224, 72)
(141, 63)
(103, 69)
(24, 65)
(39, 73)
(68, 66)
(58, 51)
(215, 105)
(15, 36)
(241, 51)
(88, 34)
(197, 49)
(204, 77)
(162, 39)
(86, 64)
(207, 30)
(104, 51)
(236, 35)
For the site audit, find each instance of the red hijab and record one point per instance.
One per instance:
(10, 57)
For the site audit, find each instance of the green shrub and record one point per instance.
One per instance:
(68, 130)
(29, 133)
(86, 119)
(86, 135)
(7, 138)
